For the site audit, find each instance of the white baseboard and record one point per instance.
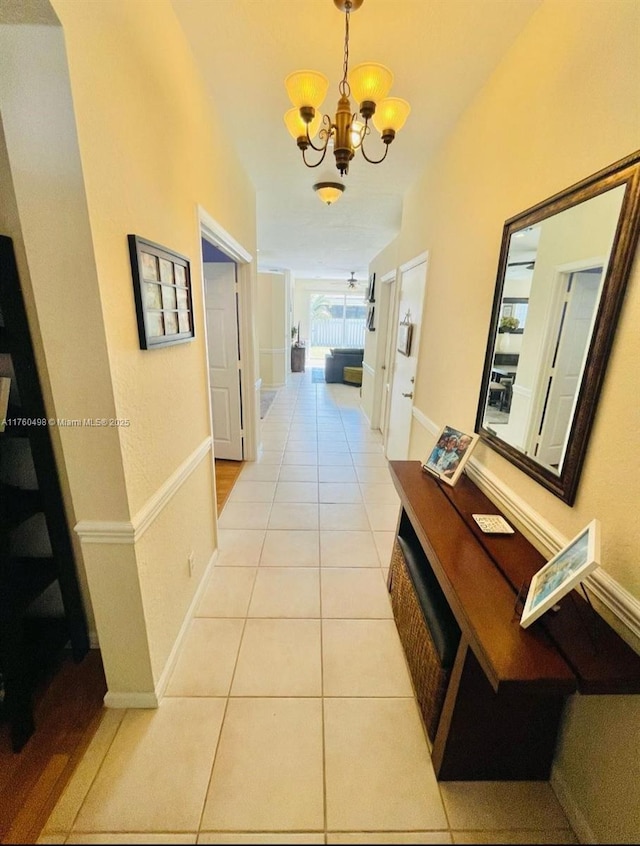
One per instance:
(130, 700)
(162, 682)
(115, 699)
(579, 824)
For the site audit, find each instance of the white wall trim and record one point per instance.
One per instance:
(390, 276)
(221, 238)
(414, 262)
(578, 821)
(130, 700)
(162, 682)
(370, 370)
(424, 421)
(104, 531)
(616, 598)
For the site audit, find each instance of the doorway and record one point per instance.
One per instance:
(223, 352)
(572, 335)
(410, 296)
(234, 389)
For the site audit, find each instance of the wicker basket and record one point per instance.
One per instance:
(430, 679)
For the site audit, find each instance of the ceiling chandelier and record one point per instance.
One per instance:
(369, 84)
(352, 282)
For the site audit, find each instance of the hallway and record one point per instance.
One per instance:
(290, 716)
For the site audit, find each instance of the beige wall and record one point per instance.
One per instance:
(272, 320)
(151, 149)
(562, 104)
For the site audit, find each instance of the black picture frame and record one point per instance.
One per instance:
(370, 315)
(370, 296)
(162, 291)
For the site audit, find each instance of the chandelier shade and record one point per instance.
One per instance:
(329, 192)
(369, 83)
(298, 127)
(391, 115)
(306, 88)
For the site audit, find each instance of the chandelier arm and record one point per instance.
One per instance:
(374, 161)
(324, 133)
(319, 162)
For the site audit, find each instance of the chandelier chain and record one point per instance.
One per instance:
(344, 88)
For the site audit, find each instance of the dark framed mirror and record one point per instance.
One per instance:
(562, 273)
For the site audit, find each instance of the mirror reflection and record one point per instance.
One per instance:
(551, 288)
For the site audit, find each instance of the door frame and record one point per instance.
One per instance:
(211, 230)
(421, 258)
(552, 324)
(384, 353)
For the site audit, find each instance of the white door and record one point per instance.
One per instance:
(413, 277)
(387, 367)
(565, 375)
(224, 358)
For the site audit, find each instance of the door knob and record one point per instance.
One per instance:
(410, 395)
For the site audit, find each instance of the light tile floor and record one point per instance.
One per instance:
(290, 716)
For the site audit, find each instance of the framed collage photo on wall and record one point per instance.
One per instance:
(162, 291)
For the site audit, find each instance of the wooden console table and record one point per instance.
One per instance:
(508, 685)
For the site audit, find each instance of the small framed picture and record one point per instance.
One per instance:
(370, 296)
(162, 291)
(370, 315)
(560, 575)
(449, 455)
(405, 331)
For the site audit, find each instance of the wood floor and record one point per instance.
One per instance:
(227, 473)
(67, 713)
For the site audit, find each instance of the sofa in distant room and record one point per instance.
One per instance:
(339, 358)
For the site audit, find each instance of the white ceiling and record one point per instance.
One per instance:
(440, 51)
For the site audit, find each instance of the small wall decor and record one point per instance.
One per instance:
(370, 325)
(162, 289)
(370, 296)
(449, 455)
(562, 573)
(405, 332)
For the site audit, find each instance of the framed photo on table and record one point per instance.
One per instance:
(162, 291)
(449, 455)
(560, 575)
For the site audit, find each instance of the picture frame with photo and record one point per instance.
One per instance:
(162, 292)
(370, 296)
(405, 333)
(369, 322)
(560, 575)
(450, 453)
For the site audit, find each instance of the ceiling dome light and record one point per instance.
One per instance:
(329, 192)
(369, 83)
